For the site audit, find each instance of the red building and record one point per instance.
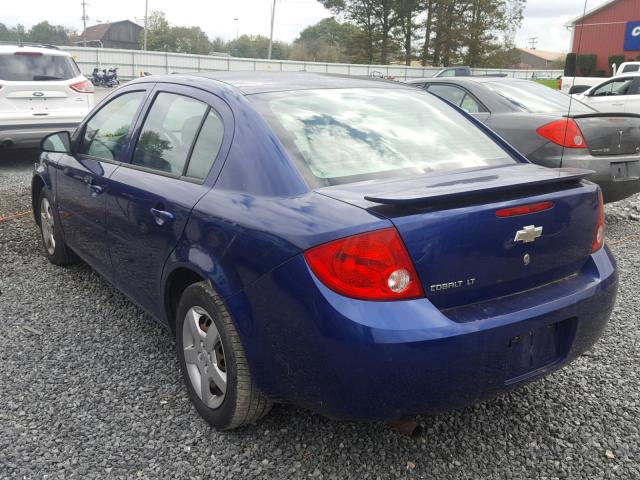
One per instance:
(612, 28)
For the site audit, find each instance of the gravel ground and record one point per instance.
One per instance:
(90, 388)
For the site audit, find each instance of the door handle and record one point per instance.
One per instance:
(162, 216)
(96, 189)
(617, 104)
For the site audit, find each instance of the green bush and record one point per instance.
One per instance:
(587, 64)
(570, 65)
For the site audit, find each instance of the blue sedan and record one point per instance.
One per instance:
(355, 247)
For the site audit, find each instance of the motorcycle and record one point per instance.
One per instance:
(104, 78)
(111, 77)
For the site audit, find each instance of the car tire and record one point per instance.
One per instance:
(210, 355)
(51, 234)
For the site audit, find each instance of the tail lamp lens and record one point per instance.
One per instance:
(83, 87)
(565, 133)
(369, 266)
(598, 241)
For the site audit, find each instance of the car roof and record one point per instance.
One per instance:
(10, 49)
(250, 83)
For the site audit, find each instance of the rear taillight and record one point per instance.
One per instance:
(565, 133)
(369, 266)
(598, 240)
(524, 209)
(83, 87)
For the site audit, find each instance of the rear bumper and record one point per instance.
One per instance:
(28, 135)
(381, 360)
(618, 175)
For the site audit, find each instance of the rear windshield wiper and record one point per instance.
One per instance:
(45, 77)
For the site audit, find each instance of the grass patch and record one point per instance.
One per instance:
(549, 83)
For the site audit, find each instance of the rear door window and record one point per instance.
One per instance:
(168, 132)
(207, 147)
(448, 92)
(35, 66)
(106, 132)
(458, 97)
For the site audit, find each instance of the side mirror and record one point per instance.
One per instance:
(59, 142)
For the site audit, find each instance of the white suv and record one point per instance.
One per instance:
(41, 91)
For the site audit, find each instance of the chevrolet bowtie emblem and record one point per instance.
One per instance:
(528, 234)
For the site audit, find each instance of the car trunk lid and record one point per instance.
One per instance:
(462, 250)
(610, 134)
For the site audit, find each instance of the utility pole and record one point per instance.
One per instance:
(533, 41)
(146, 20)
(84, 22)
(237, 27)
(273, 14)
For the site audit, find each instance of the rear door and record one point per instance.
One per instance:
(81, 177)
(150, 197)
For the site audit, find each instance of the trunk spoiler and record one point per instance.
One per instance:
(425, 190)
(602, 114)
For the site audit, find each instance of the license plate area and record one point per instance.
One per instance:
(621, 171)
(531, 353)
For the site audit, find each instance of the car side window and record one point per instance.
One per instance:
(470, 105)
(630, 68)
(207, 147)
(448, 92)
(168, 133)
(614, 88)
(635, 88)
(106, 132)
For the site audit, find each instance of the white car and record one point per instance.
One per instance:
(41, 91)
(617, 94)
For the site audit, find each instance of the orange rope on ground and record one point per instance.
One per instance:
(13, 216)
(624, 239)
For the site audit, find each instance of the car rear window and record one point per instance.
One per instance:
(533, 97)
(339, 136)
(27, 66)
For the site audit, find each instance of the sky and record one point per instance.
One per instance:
(544, 19)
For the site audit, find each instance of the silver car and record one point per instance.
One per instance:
(551, 129)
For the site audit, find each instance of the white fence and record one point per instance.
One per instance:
(131, 63)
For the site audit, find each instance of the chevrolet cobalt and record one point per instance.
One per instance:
(359, 248)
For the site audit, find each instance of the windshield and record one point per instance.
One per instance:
(346, 135)
(36, 67)
(536, 98)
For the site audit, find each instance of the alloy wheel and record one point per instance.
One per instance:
(204, 357)
(47, 225)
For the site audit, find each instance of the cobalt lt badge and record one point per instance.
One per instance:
(528, 234)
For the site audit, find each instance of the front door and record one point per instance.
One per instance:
(81, 177)
(610, 97)
(151, 197)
